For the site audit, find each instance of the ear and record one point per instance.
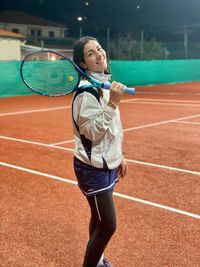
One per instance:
(83, 65)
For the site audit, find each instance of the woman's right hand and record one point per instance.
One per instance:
(116, 92)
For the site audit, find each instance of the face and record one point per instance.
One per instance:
(94, 57)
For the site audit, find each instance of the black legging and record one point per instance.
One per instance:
(102, 227)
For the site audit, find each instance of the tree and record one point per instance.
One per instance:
(126, 48)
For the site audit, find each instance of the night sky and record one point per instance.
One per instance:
(120, 16)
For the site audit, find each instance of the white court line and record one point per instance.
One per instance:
(67, 107)
(38, 173)
(149, 125)
(160, 100)
(163, 166)
(63, 142)
(124, 196)
(140, 101)
(178, 120)
(130, 100)
(170, 100)
(35, 143)
(163, 102)
(129, 160)
(165, 93)
(166, 104)
(160, 123)
(187, 122)
(33, 111)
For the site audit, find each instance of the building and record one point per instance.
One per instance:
(38, 31)
(10, 45)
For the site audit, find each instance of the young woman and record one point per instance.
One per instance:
(98, 158)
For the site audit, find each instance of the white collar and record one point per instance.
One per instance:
(99, 76)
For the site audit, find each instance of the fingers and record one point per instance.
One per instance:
(116, 92)
(123, 169)
(118, 87)
(122, 173)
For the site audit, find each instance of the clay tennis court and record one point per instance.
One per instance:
(44, 217)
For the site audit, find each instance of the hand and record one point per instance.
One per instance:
(122, 169)
(116, 92)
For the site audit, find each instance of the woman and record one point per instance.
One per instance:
(98, 158)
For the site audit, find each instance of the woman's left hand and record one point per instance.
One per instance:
(122, 169)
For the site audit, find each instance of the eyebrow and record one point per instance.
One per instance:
(91, 50)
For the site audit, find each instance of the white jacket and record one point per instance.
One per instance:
(101, 125)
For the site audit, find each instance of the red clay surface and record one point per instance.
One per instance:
(44, 216)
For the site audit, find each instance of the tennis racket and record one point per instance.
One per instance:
(50, 73)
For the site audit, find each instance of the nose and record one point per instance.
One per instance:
(99, 54)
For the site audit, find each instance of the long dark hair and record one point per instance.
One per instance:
(78, 55)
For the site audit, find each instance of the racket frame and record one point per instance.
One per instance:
(94, 82)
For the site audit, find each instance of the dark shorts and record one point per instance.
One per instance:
(93, 181)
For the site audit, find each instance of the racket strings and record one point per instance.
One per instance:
(49, 74)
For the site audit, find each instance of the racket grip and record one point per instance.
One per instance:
(130, 91)
(106, 85)
(127, 90)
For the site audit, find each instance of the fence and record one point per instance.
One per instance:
(130, 73)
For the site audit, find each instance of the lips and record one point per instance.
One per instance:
(101, 61)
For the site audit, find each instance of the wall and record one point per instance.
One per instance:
(9, 49)
(26, 29)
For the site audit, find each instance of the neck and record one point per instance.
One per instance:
(99, 76)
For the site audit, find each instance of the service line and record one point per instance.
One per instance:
(123, 196)
(128, 160)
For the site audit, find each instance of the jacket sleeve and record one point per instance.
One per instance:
(92, 118)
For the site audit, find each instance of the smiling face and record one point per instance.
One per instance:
(94, 57)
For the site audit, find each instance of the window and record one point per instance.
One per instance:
(65, 33)
(32, 32)
(35, 32)
(15, 30)
(38, 32)
(51, 34)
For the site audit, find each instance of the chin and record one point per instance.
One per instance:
(100, 70)
(103, 68)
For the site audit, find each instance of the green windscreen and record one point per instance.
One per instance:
(155, 71)
(131, 73)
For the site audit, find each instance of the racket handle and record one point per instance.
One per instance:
(130, 91)
(127, 90)
(106, 85)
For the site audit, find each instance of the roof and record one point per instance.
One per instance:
(19, 17)
(8, 34)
